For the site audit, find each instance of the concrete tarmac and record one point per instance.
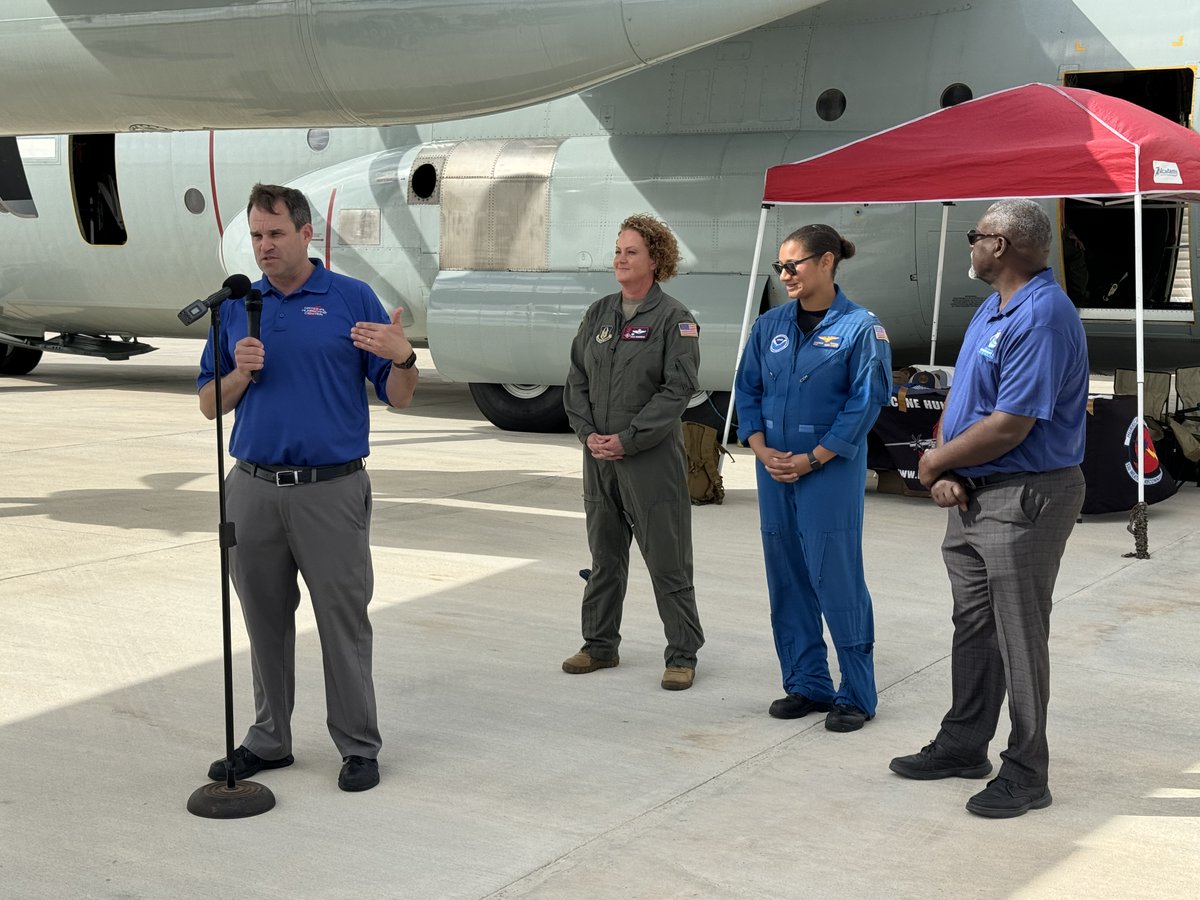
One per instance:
(503, 776)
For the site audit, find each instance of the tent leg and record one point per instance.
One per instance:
(1138, 518)
(937, 290)
(762, 227)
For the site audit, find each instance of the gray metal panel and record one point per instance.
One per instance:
(496, 205)
(433, 154)
(517, 327)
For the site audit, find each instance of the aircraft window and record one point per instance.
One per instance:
(424, 181)
(955, 94)
(318, 139)
(831, 104)
(194, 201)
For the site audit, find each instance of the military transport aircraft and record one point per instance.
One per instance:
(107, 66)
(493, 233)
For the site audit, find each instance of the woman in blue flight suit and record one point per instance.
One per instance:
(812, 379)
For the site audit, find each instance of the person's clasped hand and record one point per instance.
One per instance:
(605, 446)
(783, 466)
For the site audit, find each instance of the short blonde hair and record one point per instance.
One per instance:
(660, 243)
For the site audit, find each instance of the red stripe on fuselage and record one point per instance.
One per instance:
(329, 227)
(212, 180)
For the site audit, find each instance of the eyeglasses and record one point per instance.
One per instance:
(974, 236)
(791, 265)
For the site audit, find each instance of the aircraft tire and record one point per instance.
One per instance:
(522, 407)
(18, 360)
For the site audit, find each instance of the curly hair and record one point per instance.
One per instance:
(660, 243)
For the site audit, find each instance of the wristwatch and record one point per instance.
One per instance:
(813, 462)
(408, 363)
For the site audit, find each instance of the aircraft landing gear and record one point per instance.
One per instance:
(522, 407)
(18, 360)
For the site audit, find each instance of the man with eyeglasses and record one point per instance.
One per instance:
(1007, 469)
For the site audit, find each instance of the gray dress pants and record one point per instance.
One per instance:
(322, 532)
(1002, 556)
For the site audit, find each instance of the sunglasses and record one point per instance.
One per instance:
(974, 236)
(791, 265)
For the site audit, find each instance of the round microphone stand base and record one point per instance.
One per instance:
(217, 800)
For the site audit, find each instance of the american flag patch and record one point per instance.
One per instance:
(880, 333)
(689, 329)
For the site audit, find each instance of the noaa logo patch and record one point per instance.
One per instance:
(605, 334)
(779, 343)
(827, 341)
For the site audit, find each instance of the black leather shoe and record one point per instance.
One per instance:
(933, 762)
(245, 764)
(844, 717)
(358, 773)
(1005, 799)
(796, 706)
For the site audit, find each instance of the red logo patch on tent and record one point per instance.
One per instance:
(1154, 471)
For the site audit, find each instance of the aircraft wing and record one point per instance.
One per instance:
(151, 65)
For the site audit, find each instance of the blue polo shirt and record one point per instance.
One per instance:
(1029, 360)
(309, 406)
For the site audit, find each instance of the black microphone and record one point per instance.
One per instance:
(235, 286)
(253, 317)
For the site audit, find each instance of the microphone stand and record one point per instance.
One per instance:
(230, 799)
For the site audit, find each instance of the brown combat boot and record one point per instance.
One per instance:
(678, 678)
(582, 663)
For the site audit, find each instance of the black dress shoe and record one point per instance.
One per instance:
(844, 717)
(245, 764)
(796, 706)
(933, 762)
(358, 773)
(1005, 799)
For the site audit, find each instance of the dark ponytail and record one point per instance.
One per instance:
(822, 239)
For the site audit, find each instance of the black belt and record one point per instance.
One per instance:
(981, 481)
(284, 477)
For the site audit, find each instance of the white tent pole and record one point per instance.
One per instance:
(1139, 335)
(937, 291)
(762, 227)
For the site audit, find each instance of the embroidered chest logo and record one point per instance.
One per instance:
(988, 350)
(779, 343)
(314, 311)
(827, 341)
(635, 333)
(605, 334)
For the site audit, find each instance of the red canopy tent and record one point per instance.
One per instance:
(1037, 141)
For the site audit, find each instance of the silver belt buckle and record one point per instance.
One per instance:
(287, 479)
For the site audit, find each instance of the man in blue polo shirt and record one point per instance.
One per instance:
(298, 492)
(1007, 468)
